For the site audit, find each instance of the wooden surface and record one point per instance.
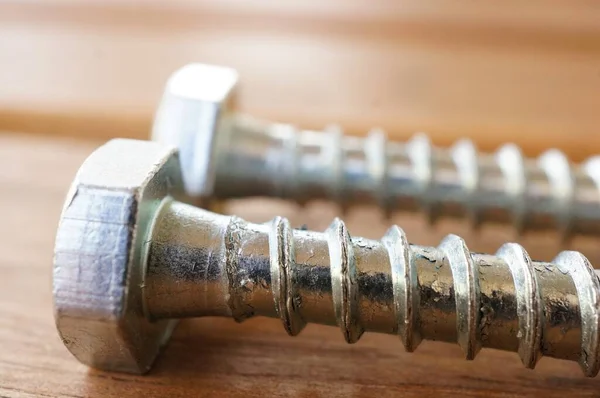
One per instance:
(217, 356)
(517, 70)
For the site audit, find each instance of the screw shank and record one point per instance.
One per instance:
(263, 159)
(185, 273)
(200, 263)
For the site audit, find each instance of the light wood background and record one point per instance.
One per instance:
(523, 71)
(516, 70)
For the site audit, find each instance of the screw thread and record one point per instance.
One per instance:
(279, 160)
(466, 268)
(447, 293)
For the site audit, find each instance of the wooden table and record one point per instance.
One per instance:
(519, 70)
(217, 356)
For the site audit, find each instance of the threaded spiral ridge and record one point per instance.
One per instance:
(481, 319)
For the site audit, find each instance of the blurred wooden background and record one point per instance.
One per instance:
(524, 71)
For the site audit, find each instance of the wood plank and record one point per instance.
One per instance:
(521, 71)
(217, 356)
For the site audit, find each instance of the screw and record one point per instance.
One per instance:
(130, 258)
(227, 155)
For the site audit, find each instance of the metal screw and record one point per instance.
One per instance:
(129, 258)
(226, 155)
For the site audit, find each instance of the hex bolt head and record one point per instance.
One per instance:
(194, 108)
(99, 255)
(130, 258)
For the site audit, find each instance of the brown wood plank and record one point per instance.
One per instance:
(218, 357)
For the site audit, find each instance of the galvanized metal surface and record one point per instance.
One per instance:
(227, 155)
(201, 263)
(265, 159)
(178, 261)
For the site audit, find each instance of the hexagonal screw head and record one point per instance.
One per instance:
(99, 255)
(193, 109)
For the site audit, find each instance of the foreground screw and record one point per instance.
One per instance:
(129, 258)
(226, 155)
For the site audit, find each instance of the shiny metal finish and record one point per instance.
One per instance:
(226, 155)
(200, 263)
(130, 258)
(99, 259)
(265, 159)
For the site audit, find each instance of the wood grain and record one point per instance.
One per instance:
(520, 70)
(217, 357)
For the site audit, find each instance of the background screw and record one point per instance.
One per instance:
(226, 155)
